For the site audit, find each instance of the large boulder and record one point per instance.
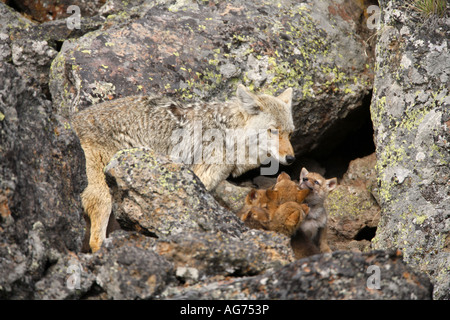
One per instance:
(42, 175)
(353, 212)
(162, 199)
(201, 51)
(411, 115)
(152, 193)
(340, 275)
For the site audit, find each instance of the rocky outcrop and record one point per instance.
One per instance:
(180, 242)
(411, 115)
(128, 266)
(353, 212)
(151, 192)
(341, 275)
(223, 261)
(42, 175)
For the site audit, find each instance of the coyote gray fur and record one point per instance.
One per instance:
(150, 121)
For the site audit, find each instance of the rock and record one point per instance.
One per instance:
(69, 277)
(42, 175)
(212, 254)
(353, 212)
(411, 115)
(32, 47)
(199, 51)
(133, 266)
(12, 20)
(340, 275)
(33, 58)
(361, 173)
(151, 192)
(47, 10)
(156, 197)
(126, 267)
(230, 195)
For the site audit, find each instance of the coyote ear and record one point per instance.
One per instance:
(331, 184)
(247, 99)
(286, 97)
(303, 174)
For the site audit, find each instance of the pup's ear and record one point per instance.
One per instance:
(286, 97)
(251, 196)
(283, 176)
(331, 184)
(303, 174)
(248, 100)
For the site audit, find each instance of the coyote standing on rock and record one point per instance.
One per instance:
(159, 123)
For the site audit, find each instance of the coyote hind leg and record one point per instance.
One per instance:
(96, 198)
(97, 205)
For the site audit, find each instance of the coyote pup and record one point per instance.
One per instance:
(311, 237)
(148, 121)
(279, 208)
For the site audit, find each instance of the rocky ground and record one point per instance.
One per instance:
(371, 108)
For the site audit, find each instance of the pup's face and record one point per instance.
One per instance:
(319, 186)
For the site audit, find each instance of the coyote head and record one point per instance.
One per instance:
(273, 114)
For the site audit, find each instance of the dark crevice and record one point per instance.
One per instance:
(366, 233)
(357, 143)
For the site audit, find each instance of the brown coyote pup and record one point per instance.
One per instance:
(277, 209)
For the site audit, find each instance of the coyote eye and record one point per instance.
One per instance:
(317, 182)
(305, 179)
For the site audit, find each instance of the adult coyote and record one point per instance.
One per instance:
(159, 123)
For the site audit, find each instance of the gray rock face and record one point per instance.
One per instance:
(162, 197)
(340, 275)
(411, 115)
(42, 175)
